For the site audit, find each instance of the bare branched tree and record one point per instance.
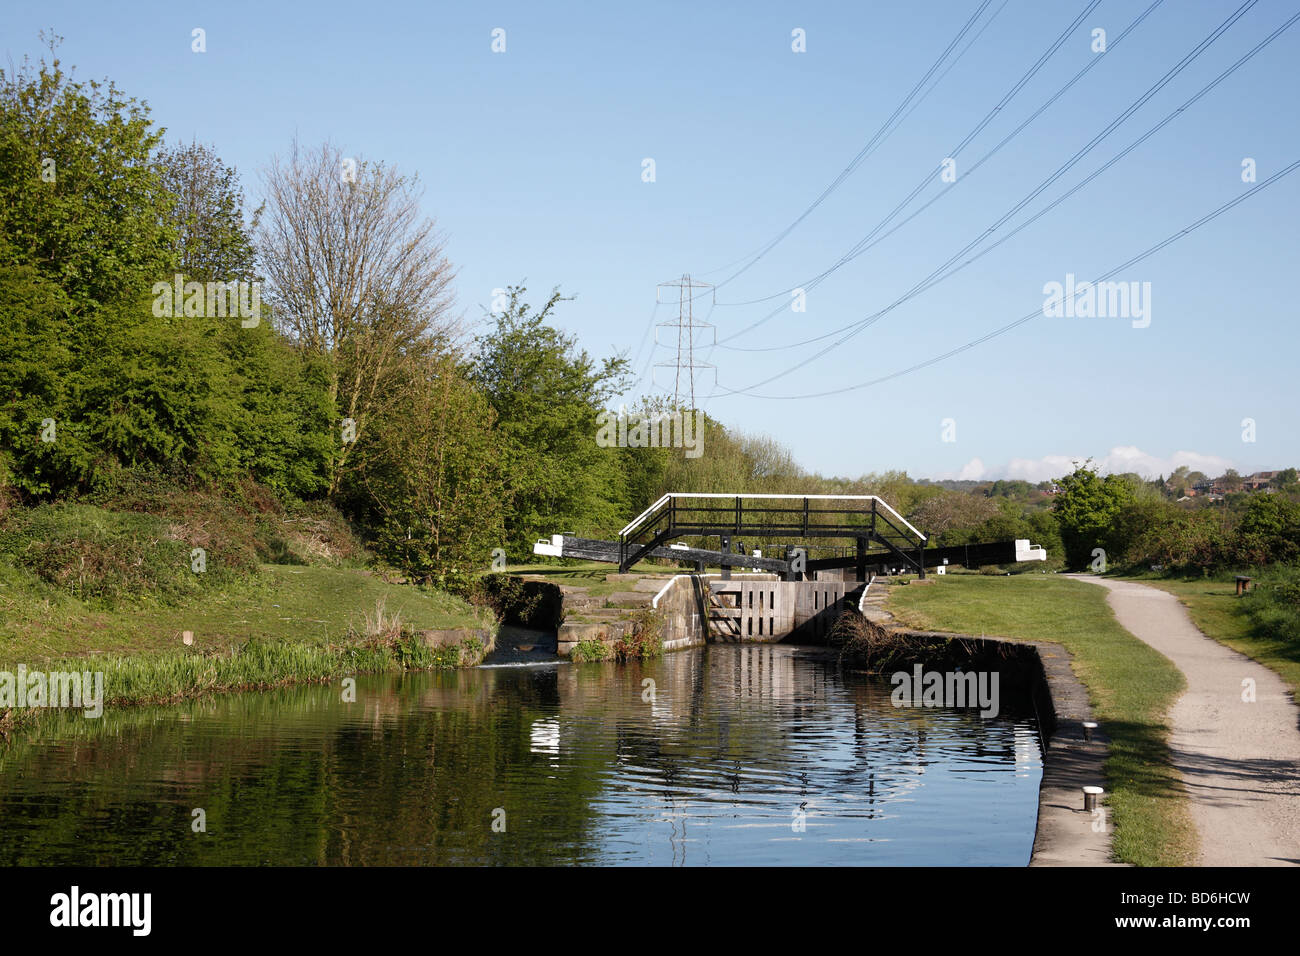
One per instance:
(357, 275)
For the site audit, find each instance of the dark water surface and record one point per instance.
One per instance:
(756, 754)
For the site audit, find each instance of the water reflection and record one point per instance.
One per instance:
(734, 754)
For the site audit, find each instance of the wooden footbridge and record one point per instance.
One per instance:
(880, 540)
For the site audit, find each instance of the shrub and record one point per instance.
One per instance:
(1181, 540)
(1273, 605)
(244, 521)
(96, 554)
(646, 639)
(590, 649)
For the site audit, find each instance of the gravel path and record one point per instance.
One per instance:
(1240, 761)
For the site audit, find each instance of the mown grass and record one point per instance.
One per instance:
(1130, 685)
(305, 604)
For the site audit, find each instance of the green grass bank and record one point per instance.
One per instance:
(279, 597)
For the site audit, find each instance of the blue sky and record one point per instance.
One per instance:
(531, 162)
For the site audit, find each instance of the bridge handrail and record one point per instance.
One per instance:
(631, 525)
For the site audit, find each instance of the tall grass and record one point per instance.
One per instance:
(256, 665)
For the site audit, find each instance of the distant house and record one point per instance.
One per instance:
(1258, 481)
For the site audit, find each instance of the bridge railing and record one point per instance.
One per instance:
(714, 514)
(675, 500)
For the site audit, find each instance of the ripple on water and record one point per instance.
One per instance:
(739, 755)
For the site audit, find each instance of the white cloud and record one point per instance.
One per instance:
(1122, 458)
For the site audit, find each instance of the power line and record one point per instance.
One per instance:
(882, 134)
(1169, 240)
(645, 337)
(929, 176)
(934, 278)
(860, 325)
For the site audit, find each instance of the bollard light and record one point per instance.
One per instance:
(1091, 797)
(1088, 727)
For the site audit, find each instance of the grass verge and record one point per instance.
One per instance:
(172, 676)
(1130, 685)
(305, 604)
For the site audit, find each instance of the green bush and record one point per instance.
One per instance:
(646, 639)
(1273, 605)
(591, 649)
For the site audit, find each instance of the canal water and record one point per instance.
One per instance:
(754, 754)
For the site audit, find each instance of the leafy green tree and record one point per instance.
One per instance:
(1179, 482)
(1045, 531)
(1010, 489)
(428, 483)
(1087, 509)
(91, 380)
(42, 448)
(81, 198)
(546, 394)
(1269, 530)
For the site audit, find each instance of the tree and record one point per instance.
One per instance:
(1087, 509)
(81, 198)
(41, 450)
(1179, 482)
(82, 238)
(1010, 489)
(429, 487)
(1269, 530)
(546, 394)
(951, 512)
(357, 277)
(213, 243)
